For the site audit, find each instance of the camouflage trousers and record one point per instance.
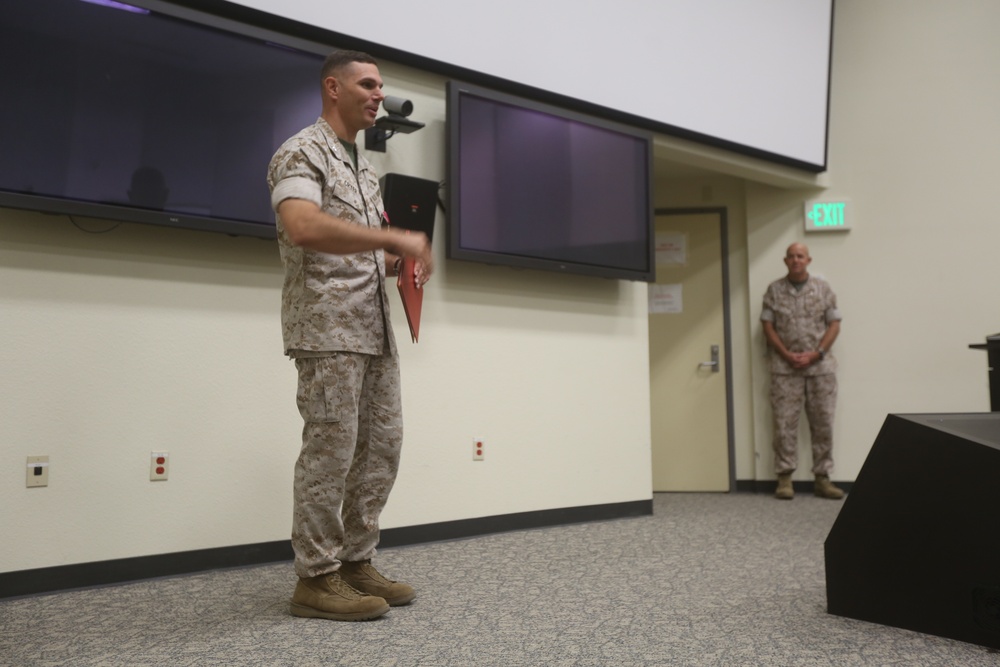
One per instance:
(350, 455)
(788, 394)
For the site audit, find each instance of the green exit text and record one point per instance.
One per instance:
(827, 215)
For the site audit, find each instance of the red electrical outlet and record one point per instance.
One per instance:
(159, 466)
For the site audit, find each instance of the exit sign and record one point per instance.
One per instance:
(827, 216)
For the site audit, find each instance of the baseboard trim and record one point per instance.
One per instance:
(769, 486)
(102, 573)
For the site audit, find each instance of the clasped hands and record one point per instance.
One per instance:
(799, 360)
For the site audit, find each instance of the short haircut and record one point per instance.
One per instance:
(339, 59)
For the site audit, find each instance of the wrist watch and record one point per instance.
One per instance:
(822, 353)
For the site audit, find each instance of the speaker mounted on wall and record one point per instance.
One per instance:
(410, 202)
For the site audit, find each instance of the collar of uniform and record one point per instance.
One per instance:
(338, 149)
(797, 288)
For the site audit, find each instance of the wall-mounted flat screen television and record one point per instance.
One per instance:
(146, 112)
(541, 187)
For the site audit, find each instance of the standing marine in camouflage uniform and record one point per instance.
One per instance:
(801, 321)
(335, 325)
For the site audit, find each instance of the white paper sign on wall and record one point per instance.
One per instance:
(666, 298)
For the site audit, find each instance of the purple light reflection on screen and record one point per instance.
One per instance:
(118, 5)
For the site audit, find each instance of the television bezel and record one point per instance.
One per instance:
(454, 249)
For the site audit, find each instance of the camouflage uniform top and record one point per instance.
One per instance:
(800, 318)
(330, 303)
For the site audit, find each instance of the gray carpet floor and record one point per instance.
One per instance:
(708, 579)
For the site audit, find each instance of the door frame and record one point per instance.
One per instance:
(727, 341)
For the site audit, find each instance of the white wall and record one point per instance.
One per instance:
(121, 343)
(913, 143)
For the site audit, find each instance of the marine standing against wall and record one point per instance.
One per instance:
(801, 322)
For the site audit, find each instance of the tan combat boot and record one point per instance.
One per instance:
(784, 490)
(363, 576)
(329, 596)
(825, 489)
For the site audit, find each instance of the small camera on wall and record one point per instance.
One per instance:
(397, 108)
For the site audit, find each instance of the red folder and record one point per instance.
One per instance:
(411, 294)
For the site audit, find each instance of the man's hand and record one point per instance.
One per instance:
(800, 360)
(415, 245)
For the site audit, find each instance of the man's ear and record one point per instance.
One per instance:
(331, 86)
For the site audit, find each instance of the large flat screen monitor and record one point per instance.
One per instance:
(146, 112)
(541, 187)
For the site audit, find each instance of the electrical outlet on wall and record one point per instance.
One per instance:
(38, 471)
(159, 466)
(478, 449)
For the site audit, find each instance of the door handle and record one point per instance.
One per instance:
(714, 363)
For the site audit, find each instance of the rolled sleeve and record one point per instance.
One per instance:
(296, 187)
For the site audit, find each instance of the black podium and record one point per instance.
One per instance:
(992, 347)
(916, 544)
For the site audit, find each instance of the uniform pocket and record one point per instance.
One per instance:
(344, 200)
(318, 394)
